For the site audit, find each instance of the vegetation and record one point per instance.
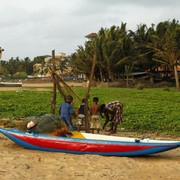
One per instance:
(147, 110)
(20, 75)
(16, 65)
(143, 50)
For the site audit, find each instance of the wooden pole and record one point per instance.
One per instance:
(53, 103)
(87, 93)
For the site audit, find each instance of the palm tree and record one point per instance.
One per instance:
(81, 60)
(141, 56)
(166, 46)
(112, 47)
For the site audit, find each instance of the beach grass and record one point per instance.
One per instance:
(147, 110)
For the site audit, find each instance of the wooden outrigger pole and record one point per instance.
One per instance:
(53, 102)
(87, 93)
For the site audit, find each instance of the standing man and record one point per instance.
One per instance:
(66, 112)
(81, 116)
(95, 118)
(113, 112)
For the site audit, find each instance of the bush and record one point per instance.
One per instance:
(20, 75)
(139, 86)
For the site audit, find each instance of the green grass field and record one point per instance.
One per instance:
(148, 110)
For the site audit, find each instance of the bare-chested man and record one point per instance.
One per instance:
(95, 118)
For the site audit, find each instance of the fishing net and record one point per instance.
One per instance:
(43, 124)
(64, 89)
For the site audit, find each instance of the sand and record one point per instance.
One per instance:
(41, 86)
(19, 163)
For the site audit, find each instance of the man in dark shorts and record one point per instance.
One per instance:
(81, 116)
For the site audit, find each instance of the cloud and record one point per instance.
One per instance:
(34, 27)
(142, 3)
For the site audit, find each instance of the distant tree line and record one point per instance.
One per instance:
(15, 67)
(120, 51)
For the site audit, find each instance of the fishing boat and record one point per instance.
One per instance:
(10, 84)
(86, 143)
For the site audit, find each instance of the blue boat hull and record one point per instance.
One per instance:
(112, 146)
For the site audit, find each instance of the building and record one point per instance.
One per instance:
(91, 35)
(42, 69)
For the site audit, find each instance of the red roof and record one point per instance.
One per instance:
(91, 35)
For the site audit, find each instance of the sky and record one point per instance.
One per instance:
(30, 28)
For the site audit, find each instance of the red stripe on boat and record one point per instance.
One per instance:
(64, 145)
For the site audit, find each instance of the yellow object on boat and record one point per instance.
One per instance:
(76, 134)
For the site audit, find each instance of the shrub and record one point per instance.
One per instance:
(20, 75)
(139, 86)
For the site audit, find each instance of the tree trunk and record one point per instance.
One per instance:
(110, 75)
(176, 78)
(127, 81)
(101, 76)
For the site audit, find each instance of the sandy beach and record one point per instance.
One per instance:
(36, 87)
(19, 163)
